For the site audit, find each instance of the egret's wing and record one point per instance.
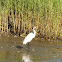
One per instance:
(28, 38)
(29, 35)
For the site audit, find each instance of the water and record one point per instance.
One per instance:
(12, 50)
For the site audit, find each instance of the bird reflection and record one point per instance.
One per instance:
(26, 58)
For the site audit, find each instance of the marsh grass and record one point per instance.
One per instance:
(21, 15)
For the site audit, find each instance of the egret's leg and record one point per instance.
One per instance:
(28, 45)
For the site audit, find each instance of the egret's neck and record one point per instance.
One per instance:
(34, 32)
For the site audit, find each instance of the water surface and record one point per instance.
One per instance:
(12, 50)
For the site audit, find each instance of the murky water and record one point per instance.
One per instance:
(12, 50)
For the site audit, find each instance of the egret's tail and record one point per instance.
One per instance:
(24, 42)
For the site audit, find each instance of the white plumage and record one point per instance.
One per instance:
(29, 37)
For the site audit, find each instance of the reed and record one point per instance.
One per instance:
(22, 15)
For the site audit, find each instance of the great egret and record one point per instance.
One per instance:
(29, 37)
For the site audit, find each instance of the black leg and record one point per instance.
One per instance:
(28, 45)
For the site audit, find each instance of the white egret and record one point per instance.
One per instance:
(29, 37)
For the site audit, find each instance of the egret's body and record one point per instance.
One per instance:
(29, 37)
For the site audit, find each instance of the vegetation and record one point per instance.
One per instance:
(21, 15)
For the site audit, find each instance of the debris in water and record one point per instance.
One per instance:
(12, 46)
(14, 42)
(18, 51)
(54, 56)
(1, 46)
(46, 50)
(6, 45)
(33, 49)
(57, 48)
(54, 52)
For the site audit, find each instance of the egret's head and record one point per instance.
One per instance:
(34, 27)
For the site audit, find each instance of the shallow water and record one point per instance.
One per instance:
(12, 50)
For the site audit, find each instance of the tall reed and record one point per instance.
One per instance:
(22, 15)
